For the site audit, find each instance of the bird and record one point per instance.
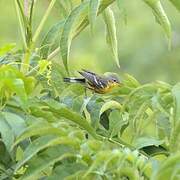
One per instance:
(100, 84)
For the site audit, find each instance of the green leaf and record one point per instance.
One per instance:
(68, 30)
(160, 16)
(175, 133)
(130, 81)
(116, 122)
(93, 10)
(47, 159)
(147, 141)
(176, 95)
(169, 169)
(62, 8)
(111, 35)
(109, 105)
(66, 170)
(6, 133)
(16, 123)
(61, 111)
(42, 143)
(17, 86)
(49, 39)
(176, 3)
(43, 129)
(7, 48)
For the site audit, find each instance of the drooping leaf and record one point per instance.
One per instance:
(147, 141)
(160, 16)
(68, 30)
(109, 105)
(111, 35)
(93, 10)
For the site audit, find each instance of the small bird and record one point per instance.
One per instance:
(99, 84)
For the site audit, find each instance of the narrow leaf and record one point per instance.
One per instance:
(160, 16)
(111, 35)
(68, 30)
(93, 10)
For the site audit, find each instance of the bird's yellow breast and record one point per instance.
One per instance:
(107, 89)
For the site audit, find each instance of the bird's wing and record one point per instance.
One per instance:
(94, 79)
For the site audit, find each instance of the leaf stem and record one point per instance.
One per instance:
(41, 25)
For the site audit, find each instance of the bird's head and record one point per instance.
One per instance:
(113, 79)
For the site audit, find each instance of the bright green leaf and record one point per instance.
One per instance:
(109, 105)
(160, 16)
(68, 30)
(111, 35)
(7, 48)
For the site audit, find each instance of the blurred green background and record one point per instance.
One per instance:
(143, 47)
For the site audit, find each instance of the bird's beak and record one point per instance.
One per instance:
(119, 83)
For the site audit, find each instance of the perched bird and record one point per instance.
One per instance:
(96, 83)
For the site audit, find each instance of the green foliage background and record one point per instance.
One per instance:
(142, 46)
(50, 130)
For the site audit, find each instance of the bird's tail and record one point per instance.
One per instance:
(75, 80)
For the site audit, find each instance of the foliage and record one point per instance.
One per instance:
(51, 130)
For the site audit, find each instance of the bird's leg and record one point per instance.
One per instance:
(85, 92)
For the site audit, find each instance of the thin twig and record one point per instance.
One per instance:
(41, 25)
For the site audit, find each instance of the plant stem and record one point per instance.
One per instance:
(26, 61)
(21, 25)
(40, 27)
(54, 53)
